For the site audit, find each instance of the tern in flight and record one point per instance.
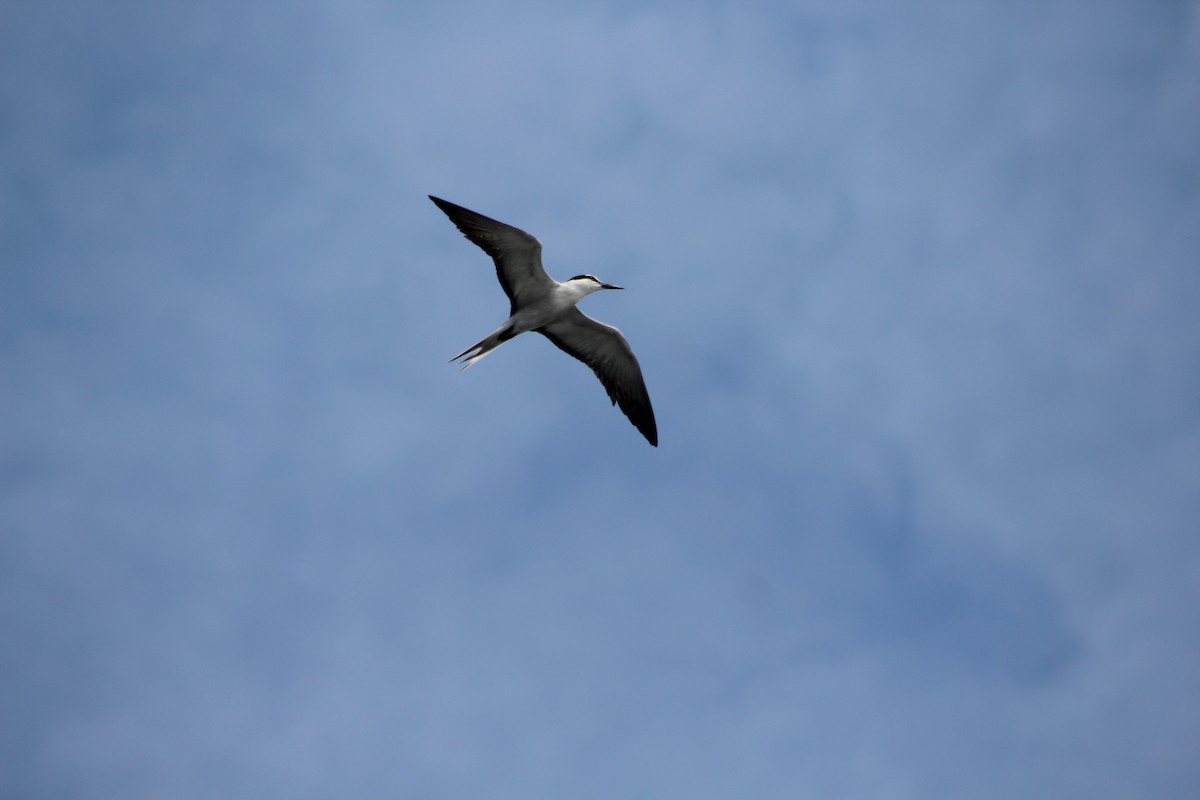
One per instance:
(542, 304)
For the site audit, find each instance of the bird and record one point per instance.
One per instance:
(540, 303)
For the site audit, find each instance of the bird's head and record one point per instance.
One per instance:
(590, 283)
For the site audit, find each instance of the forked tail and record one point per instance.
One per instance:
(484, 346)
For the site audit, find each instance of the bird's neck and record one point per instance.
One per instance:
(574, 291)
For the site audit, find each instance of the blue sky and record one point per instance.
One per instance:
(914, 289)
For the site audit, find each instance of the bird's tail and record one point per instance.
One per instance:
(481, 348)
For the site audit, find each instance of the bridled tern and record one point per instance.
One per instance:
(540, 303)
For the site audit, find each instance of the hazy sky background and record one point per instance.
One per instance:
(915, 288)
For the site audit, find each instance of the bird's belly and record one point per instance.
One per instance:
(536, 316)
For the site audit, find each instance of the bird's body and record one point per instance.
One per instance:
(540, 303)
(538, 312)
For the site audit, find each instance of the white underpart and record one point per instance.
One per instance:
(563, 297)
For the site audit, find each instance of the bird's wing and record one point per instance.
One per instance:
(605, 350)
(518, 255)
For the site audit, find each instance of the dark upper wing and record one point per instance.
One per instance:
(518, 255)
(605, 350)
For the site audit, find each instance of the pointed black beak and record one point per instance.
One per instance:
(610, 286)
